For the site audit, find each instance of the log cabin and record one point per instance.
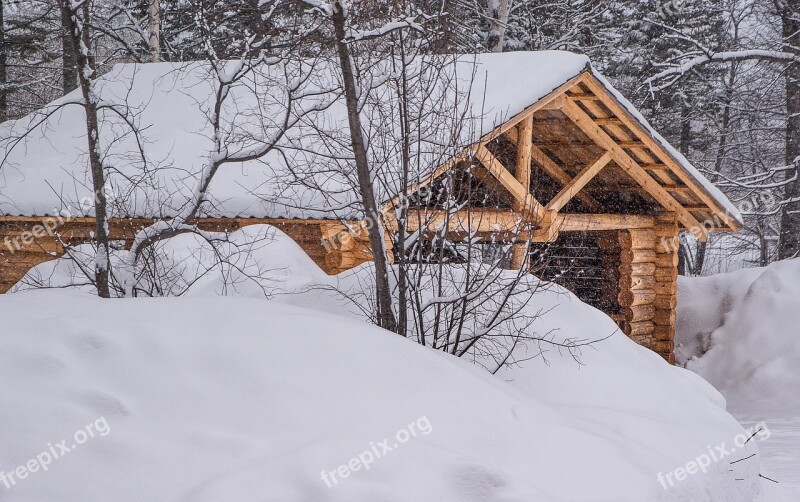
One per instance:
(570, 156)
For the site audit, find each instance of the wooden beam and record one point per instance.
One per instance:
(583, 96)
(630, 166)
(558, 174)
(524, 142)
(519, 255)
(577, 183)
(685, 191)
(589, 222)
(608, 121)
(520, 193)
(481, 221)
(488, 221)
(554, 170)
(657, 148)
(656, 167)
(631, 144)
(544, 103)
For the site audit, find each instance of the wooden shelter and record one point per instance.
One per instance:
(580, 167)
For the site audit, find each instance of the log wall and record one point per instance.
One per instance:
(645, 289)
(27, 242)
(648, 285)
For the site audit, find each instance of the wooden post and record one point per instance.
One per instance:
(519, 250)
(519, 255)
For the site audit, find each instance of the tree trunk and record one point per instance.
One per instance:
(385, 315)
(154, 25)
(445, 34)
(699, 258)
(686, 130)
(789, 245)
(69, 72)
(684, 259)
(77, 35)
(3, 67)
(498, 12)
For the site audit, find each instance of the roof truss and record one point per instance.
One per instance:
(587, 104)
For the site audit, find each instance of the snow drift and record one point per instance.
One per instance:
(740, 332)
(218, 399)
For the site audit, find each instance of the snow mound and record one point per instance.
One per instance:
(740, 332)
(209, 398)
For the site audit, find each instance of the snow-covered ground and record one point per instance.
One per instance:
(741, 332)
(294, 398)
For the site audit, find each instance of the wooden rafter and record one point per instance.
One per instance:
(658, 150)
(544, 103)
(577, 183)
(608, 121)
(520, 193)
(626, 162)
(510, 124)
(586, 222)
(555, 171)
(655, 167)
(626, 138)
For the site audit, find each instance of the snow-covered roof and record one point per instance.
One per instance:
(45, 168)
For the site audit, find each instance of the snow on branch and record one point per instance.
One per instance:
(674, 73)
(409, 22)
(324, 8)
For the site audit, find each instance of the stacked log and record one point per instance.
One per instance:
(27, 242)
(23, 245)
(666, 276)
(648, 284)
(346, 247)
(637, 283)
(608, 243)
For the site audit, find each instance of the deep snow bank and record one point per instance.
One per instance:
(741, 332)
(222, 399)
(242, 399)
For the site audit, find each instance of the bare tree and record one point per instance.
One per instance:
(753, 58)
(345, 39)
(76, 16)
(498, 15)
(278, 86)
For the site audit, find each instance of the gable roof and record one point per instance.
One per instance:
(46, 170)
